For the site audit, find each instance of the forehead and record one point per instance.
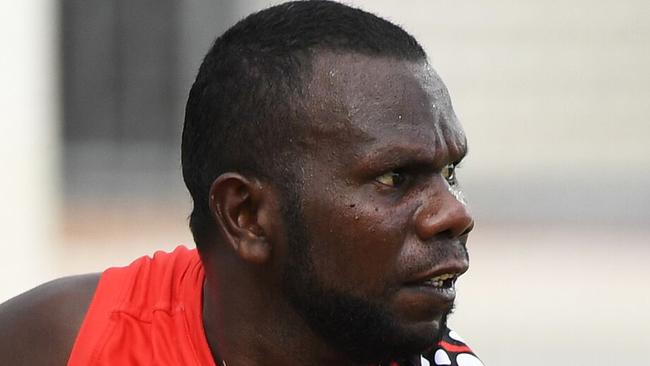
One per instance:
(367, 103)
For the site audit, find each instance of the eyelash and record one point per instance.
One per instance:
(452, 180)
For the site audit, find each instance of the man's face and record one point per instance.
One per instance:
(378, 233)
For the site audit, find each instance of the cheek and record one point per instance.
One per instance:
(356, 246)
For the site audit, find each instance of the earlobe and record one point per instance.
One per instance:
(254, 249)
(237, 204)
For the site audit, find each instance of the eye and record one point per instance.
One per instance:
(449, 173)
(391, 179)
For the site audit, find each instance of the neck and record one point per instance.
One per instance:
(247, 322)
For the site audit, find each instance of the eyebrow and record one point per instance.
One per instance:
(408, 155)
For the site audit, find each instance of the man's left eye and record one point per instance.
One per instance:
(449, 173)
(391, 179)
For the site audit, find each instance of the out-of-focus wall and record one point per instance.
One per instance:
(554, 98)
(29, 144)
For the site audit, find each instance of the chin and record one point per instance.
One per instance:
(426, 331)
(420, 336)
(366, 331)
(406, 339)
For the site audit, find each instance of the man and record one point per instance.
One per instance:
(320, 150)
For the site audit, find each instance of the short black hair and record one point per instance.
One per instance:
(247, 102)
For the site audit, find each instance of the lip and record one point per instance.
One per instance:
(454, 267)
(417, 286)
(419, 300)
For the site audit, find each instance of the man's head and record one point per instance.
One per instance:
(332, 118)
(248, 103)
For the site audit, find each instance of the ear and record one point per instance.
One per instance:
(241, 208)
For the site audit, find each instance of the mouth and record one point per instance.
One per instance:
(443, 281)
(437, 286)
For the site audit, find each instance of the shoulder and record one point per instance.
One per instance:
(40, 326)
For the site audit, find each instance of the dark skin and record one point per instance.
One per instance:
(379, 202)
(371, 119)
(39, 327)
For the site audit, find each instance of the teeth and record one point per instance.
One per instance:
(439, 281)
(443, 277)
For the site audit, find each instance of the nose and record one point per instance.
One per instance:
(443, 214)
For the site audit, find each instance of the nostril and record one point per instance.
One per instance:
(451, 233)
(468, 229)
(446, 234)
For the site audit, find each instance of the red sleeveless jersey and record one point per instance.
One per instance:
(148, 313)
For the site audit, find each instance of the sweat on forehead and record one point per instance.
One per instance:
(350, 94)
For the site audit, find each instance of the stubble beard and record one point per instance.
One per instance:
(364, 330)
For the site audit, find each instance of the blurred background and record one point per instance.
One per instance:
(554, 96)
